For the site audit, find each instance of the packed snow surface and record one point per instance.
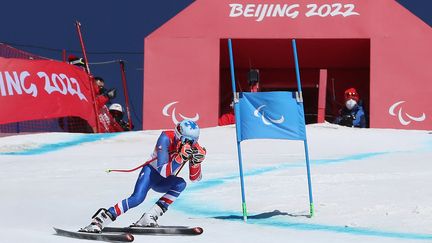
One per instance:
(369, 185)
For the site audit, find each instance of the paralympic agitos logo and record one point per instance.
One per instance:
(404, 118)
(174, 113)
(265, 119)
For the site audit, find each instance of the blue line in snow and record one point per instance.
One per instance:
(50, 147)
(207, 210)
(275, 219)
(351, 157)
(205, 184)
(184, 205)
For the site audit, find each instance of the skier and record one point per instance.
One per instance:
(352, 115)
(172, 151)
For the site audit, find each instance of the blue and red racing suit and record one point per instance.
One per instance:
(160, 175)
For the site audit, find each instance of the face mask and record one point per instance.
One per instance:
(350, 104)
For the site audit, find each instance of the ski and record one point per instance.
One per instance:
(122, 237)
(161, 230)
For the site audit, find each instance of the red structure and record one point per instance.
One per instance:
(42, 95)
(378, 47)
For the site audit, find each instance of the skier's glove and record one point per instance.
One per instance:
(198, 154)
(185, 152)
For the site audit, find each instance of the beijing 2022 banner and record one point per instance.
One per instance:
(43, 89)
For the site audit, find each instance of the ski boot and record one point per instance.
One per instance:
(149, 219)
(99, 220)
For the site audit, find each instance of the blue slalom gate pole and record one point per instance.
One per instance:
(311, 205)
(238, 131)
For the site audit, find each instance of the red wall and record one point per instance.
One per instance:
(182, 58)
(177, 71)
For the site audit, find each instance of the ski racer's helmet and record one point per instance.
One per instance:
(116, 107)
(187, 131)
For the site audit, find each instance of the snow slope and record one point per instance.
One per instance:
(369, 185)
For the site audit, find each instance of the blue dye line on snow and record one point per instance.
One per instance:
(205, 184)
(266, 219)
(345, 159)
(46, 148)
(183, 205)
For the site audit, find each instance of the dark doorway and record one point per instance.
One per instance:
(346, 61)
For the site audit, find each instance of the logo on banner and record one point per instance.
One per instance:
(174, 114)
(19, 83)
(261, 11)
(401, 115)
(265, 119)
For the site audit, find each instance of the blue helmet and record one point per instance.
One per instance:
(187, 131)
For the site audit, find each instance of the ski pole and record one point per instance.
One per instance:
(181, 167)
(134, 169)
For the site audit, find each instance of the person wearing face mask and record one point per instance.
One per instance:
(352, 114)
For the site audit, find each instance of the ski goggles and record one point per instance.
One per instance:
(187, 140)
